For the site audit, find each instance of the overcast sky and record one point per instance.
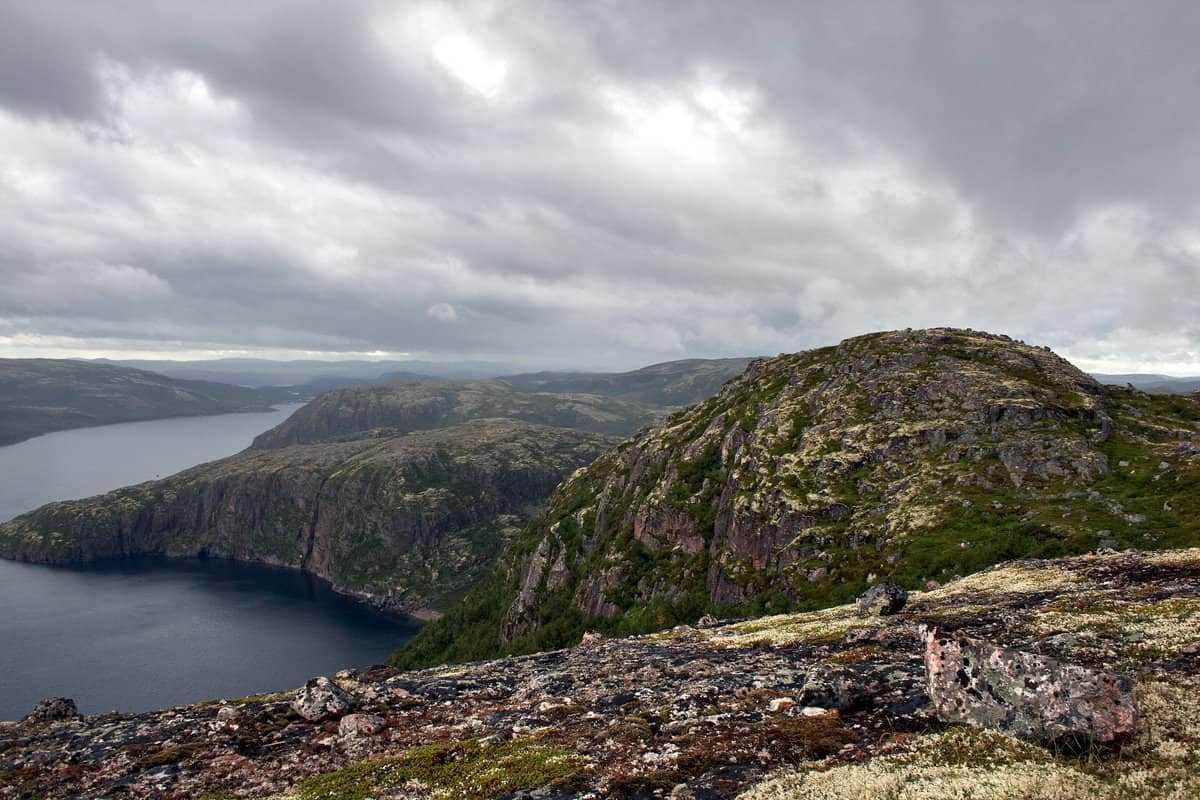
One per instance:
(597, 184)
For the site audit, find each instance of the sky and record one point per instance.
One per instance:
(597, 184)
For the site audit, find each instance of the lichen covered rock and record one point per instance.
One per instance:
(322, 699)
(1025, 694)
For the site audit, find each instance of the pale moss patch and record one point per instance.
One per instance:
(879, 780)
(814, 628)
(1018, 577)
(1169, 728)
(962, 764)
(1180, 558)
(1162, 763)
(1150, 630)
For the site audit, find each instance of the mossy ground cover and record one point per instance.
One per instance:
(464, 770)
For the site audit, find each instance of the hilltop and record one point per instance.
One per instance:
(40, 395)
(910, 456)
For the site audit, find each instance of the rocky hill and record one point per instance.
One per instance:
(404, 406)
(909, 456)
(1072, 679)
(670, 384)
(406, 522)
(40, 395)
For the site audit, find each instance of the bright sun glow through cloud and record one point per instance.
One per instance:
(464, 59)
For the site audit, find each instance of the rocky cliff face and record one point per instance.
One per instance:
(405, 522)
(909, 455)
(405, 406)
(827, 704)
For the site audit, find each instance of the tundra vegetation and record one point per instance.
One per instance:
(813, 704)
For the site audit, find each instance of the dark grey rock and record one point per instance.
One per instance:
(882, 600)
(51, 708)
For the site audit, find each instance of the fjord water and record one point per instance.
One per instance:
(67, 465)
(146, 633)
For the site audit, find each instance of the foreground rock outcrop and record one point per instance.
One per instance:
(1026, 694)
(403, 522)
(823, 704)
(901, 457)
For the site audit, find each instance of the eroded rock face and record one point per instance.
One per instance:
(398, 521)
(1027, 695)
(321, 699)
(882, 600)
(52, 708)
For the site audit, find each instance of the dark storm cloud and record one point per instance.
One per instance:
(597, 183)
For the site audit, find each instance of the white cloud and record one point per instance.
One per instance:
(643, 182)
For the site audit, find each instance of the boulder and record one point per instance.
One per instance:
(322, 699)
(360, 725)
(882, 600)
(229, 715)
(51, 708)
(591, 639)
(1027, 695)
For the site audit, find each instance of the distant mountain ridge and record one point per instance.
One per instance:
(405, 406)
(609, 403)
(1155, 384)
(41, 395)
(267, 372)
(671, 383)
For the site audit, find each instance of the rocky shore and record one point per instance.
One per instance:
(1062, 678)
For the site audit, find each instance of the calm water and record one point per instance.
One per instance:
(147, 633)
(80, 463)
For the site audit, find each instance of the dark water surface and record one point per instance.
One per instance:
(149, 632)
(145, 633)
